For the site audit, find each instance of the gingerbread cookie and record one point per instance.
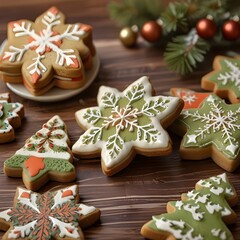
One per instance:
(191, 98)
(126, 123)
(47, 53)
(224, 80)
(212, 130)
(52, 215)
(45, 156)
(201, 214)
(11, 115)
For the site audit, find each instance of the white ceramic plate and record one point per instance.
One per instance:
(55, 94)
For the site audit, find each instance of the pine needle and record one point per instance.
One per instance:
(184, 52)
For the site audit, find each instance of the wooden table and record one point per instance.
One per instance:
(130, 198)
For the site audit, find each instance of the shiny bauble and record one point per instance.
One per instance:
(128, 36)
(151, 31)
(231, 30)
(206, 28)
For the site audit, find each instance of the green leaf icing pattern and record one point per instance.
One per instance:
(215, 122)
(123, 120)
(199, 217)
(228, 76)
(50, 145)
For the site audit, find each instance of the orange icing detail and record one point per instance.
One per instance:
(85, 27)
(67, 193)
(34, 165)
(11, 24)
(35, 77)
(75, 63)
(25, 195)
(53, 10)
(18, 233)
(70, 230)
(199, 97)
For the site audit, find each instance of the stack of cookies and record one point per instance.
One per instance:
(47, 53)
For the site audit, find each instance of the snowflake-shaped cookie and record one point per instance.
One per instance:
(224, 80)
(52, 215)
(47, 49)
(10, 118)
(213, 130)
(126, 123)
(191, 98)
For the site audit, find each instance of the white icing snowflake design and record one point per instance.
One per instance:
(47, 216)
(232, 75)
(51, 37)
(123, 121)
(215, 122)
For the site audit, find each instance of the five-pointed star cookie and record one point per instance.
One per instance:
(52, 215)
(213, 130)
(224, 80)
(10, 118)
(126, 123)
(45, 156)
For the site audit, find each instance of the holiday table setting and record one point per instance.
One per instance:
(113, 114)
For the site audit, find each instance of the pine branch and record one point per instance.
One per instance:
(184, 52)
(175, 17)
(134, 12)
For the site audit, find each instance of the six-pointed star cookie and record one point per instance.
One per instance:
(10, 118)
(52, 215)
(224, 80)
(47, 52)
(126, 123)
(213, 130)
(45, 156)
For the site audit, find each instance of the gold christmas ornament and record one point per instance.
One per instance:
(128, 36)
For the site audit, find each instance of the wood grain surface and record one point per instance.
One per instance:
(128, 199)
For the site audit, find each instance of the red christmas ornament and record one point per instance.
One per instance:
(231, 30)
(151, 31)
(206, 28)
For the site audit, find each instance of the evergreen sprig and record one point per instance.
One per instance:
(134, 12)
(185, 49)
(184, 52)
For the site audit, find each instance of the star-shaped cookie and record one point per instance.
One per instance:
(224, 80)
(11, 115)
(45, 156)
(47, 52)
(52, 215)
(191, 98)
(126, 123)
(212, 130)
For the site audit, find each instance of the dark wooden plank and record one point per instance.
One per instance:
(130, 198)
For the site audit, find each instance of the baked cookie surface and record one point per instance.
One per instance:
(11, 115)
(47, 53)
(224, 80)
(201, 214)
(126, 123)
(45, 156)
(52, 215)
(191, 98)
(212, 130)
